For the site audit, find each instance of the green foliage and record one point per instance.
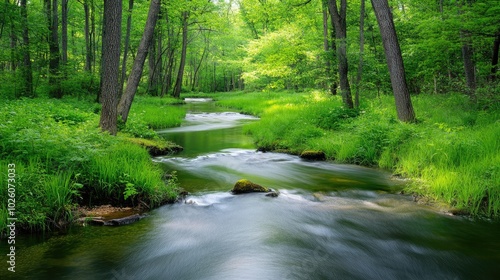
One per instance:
(125, 171)
(280, 59)
(80, 85)
(147, 114)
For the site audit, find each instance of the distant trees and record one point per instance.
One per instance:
(53, 48)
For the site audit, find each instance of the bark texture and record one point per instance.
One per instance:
(339, 22)
(394, 60)
(361, 52)
(142, 53)
(110, 83)
(27, 70)
(182, 63)
(53, 41)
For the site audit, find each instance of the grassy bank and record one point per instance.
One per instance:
(63, 160)
(453, 152)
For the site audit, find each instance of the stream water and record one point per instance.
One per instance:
(330, 221)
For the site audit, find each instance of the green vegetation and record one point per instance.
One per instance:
(63, 160)
(452, 152)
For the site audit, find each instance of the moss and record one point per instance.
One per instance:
(313, 155)
(156, 147)
(246, 186)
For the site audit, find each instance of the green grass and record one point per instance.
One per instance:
(63, 160)
(453, 151)
(150, 113)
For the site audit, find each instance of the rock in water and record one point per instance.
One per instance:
(245, 186)
(125, 221)
(273, 193)
(313, 155)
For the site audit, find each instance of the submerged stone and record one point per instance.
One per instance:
(273, 193)
(245, 186)
(313, 155)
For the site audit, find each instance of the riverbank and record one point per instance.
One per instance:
(451, 153)
(57, 159)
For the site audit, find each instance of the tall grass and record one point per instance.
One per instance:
(43, 137)
(150, 113)
(453, 150)
(126, 166)
(59, 192)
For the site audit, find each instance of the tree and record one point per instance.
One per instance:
(339, 23)
(326, 47)
(64, 31)
(53, 41)
(182, 63)
(361, 52)
(110, 82)
(127, 44)
(26, 69)
(494, 57)
(142, 52)
(394, 60)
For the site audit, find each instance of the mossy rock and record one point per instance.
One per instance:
(157, 147)
(245, 186)
(313, 155)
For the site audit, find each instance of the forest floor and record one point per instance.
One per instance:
(452, 153)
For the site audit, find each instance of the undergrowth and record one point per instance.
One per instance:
(63, 160)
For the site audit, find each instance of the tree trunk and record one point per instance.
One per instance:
(142, 52)
(197, 67)
(110, 72)
(27, 71)
(64, 31)
(339, 22)
(170, 58)
(88, 46)
(394, 59)
(361, 52)
(494, 57)
(326, 47)
(152, 59)
(469, 66)
(180, 74)
(13, 45)
(127, 44)
(53, 40)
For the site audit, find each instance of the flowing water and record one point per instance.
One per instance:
(329, 222)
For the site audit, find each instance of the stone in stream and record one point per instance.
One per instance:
(313, 155)
(273, 193)
(245, 186)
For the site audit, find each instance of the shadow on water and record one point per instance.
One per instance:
(329, 222)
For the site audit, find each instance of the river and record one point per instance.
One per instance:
(330, 221)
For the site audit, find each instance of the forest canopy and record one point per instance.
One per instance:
(55, 47)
